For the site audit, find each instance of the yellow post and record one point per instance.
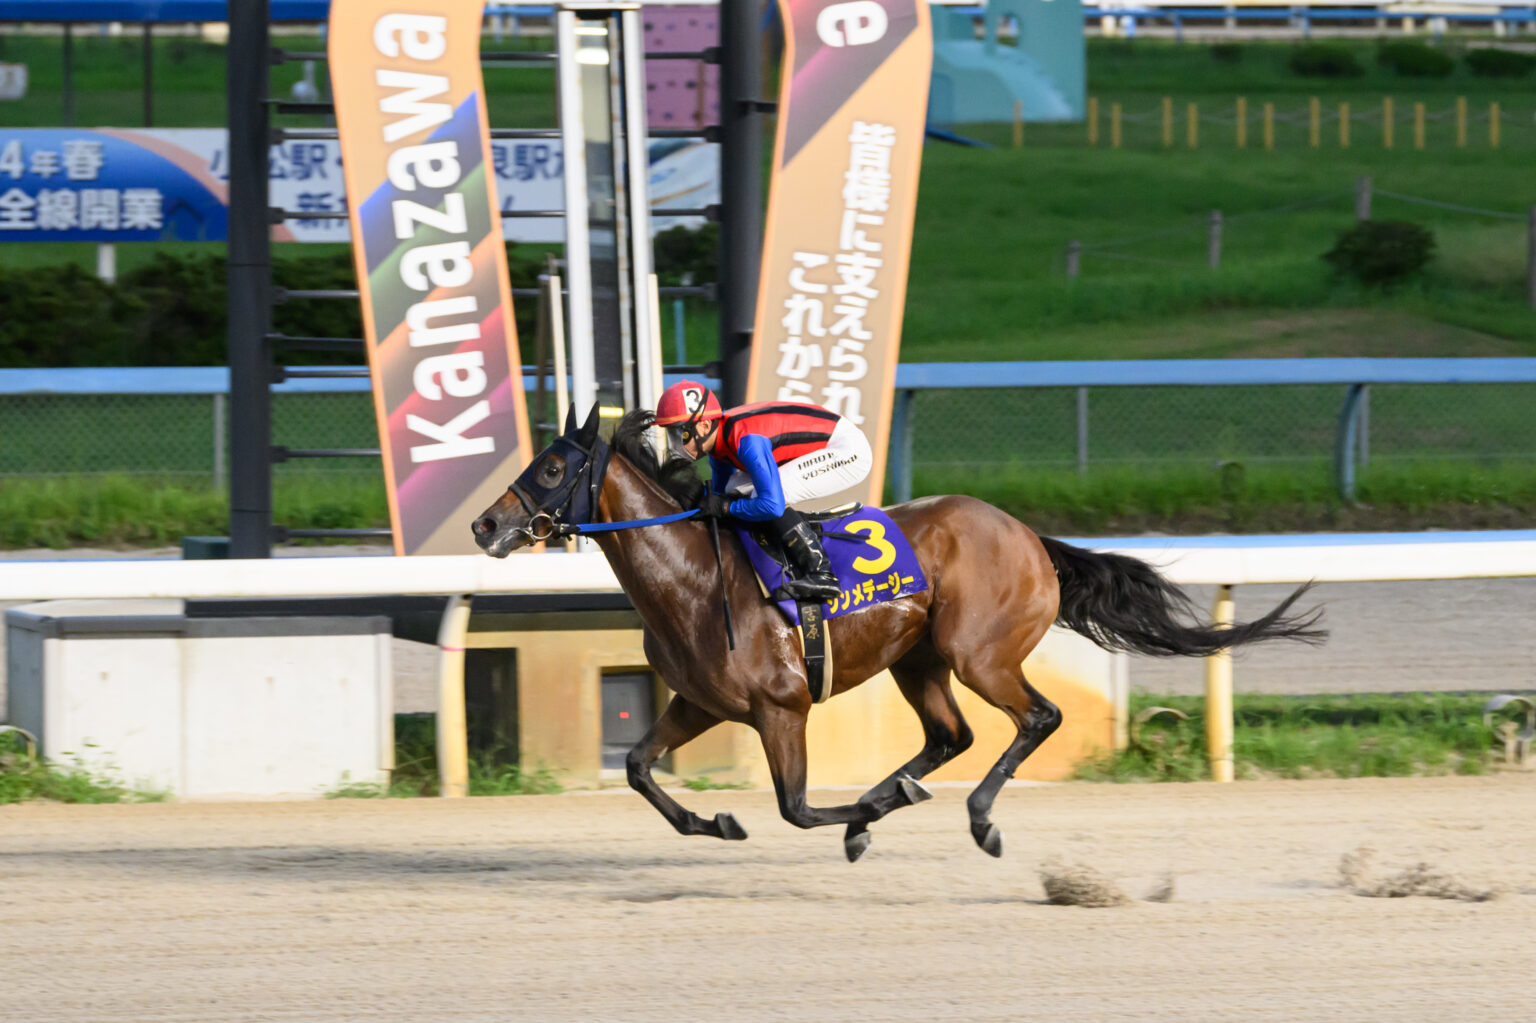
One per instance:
(1218, 695)
(1242, 122)
(1114, 126)
(1167, 122)
(1269, 126)
(1343, 125)
(1192, 130)
(1386, 122)
(1418, 126)
(452, 725)
(1315, 123)
(1018, 124)
(1493, 124)
(1461, 121)
(1093, 120)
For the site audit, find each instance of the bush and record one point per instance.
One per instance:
(1324, 60)
(1491, 63)
(688, 257)
(1382, 251)
(1227, 53)
(171, 311)
(1414, 60)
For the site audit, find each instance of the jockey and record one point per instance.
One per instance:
(763, 459)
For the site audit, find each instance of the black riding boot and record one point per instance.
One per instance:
(812, 569)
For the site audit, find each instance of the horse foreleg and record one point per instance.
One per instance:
(678, 724)
(925, 684)
(782, 730)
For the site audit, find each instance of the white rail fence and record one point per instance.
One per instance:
(1223, 561)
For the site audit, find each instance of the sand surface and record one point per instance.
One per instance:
(588, 907)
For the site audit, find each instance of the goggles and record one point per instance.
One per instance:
(681, 435)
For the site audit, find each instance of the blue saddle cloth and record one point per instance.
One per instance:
(871, 558)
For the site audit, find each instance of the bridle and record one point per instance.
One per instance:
(545, 516)
(548, 520)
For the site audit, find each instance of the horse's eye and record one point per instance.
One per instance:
(551, 470)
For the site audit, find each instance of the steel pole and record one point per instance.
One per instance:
(741, 190)
(250, 278)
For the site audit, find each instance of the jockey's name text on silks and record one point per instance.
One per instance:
(441, 265)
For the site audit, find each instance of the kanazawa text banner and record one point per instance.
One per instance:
(431, 264)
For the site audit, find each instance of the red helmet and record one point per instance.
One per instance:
(687, 401)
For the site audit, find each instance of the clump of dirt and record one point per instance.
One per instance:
(1163, 892)
(1421, 879)
(1079, 885)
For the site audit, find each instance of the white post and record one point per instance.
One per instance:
(1218, 694)
(578, 253)
(106, 262)
(452, 721)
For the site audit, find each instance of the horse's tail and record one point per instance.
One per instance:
(1124, 604)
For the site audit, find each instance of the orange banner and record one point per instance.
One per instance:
(431, 264)
(852, 113)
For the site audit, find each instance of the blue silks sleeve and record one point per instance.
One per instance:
(719, 474)
(756, 453)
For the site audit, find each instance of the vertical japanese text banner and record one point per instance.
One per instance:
(852, 112)
(431, 266)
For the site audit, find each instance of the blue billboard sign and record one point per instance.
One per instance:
(105, 185)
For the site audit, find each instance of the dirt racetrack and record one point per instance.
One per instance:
(587, 907)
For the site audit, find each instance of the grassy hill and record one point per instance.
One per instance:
(988, 276)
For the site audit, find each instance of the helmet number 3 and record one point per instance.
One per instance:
(876, 533)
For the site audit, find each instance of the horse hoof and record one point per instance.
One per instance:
(729, 829)
(913, 790)
(854, 845)
(988, 837)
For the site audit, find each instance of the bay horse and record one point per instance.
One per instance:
(994, 588)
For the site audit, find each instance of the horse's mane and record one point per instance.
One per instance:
(677, 476)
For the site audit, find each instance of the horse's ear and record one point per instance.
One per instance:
(570, 420)
(589, 429)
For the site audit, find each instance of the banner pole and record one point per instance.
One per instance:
(741, 192)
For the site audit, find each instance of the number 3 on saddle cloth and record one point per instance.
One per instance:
(873, 563)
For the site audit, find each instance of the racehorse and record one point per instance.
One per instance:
(994, 588)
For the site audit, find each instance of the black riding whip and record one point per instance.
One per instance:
(714, 539)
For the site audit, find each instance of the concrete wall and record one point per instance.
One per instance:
(856, 738)
(206, 707)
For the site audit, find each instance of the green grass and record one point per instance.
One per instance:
(704, 783)
(988, 283)
(1247, 498)
(987, 277)
(70, 511)
(1237, 497)
(415, 773)
(1312, 737)
(189, 83)
(23, 779)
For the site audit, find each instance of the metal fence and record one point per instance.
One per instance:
(961, 417)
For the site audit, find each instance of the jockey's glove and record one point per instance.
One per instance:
(714, 506)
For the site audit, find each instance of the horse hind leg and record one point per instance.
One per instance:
(1033, 715)
(924, 682)
(678, 724)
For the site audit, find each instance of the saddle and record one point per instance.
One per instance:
(873, 563)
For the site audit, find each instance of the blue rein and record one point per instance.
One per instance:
(608, 527)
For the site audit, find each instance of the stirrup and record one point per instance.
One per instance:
(806, 587)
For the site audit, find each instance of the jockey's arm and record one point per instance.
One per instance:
(756, 454)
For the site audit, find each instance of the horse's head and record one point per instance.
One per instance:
(559, 488)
